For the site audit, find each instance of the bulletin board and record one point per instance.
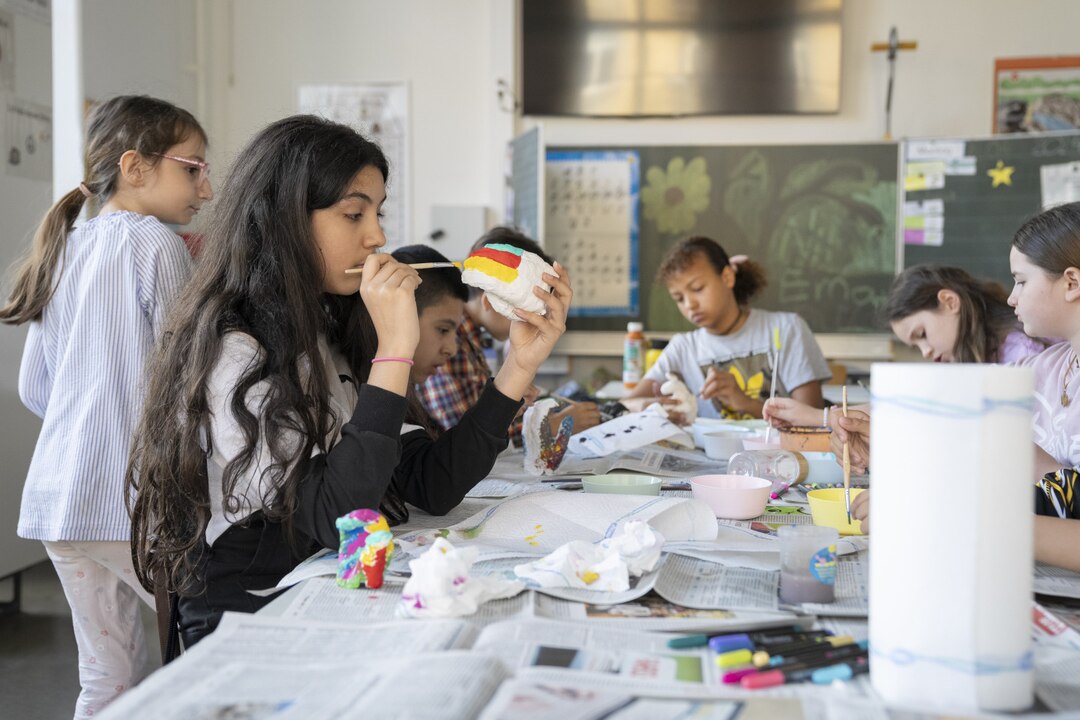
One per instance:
(963, 199)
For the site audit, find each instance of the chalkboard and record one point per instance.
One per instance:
(821, 219)
(980, 204)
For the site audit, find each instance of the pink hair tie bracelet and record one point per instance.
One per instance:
(407, 361)
(736, 260)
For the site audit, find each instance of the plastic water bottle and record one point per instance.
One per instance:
(633, 366)
(780, 466)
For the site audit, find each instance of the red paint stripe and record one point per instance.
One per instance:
(500, 256)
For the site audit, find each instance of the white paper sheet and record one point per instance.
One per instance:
(538, 523)
(627, 432)
(944, 438)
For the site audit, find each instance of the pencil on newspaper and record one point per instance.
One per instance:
(847, 465)
(414, 266)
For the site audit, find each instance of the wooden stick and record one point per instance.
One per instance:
(414, 266)
(847, 464)
(775, 371)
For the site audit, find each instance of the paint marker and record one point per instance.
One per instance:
(734, 659)
(692, 641)
(758, 641)
(776, 495)
(811, 661)
(772, 678)
(810, 644)
(843, 671)
(846, 651)
(776, 656)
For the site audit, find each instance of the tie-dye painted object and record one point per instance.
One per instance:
(366, 547)
(508, 275)
(544, 450)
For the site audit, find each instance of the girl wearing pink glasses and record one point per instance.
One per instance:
(94, 297)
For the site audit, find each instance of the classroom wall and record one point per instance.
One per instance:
(945, 87)
(262, 50)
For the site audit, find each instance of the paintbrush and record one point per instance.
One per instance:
(775, 372)
(847, 464)
(414, 266)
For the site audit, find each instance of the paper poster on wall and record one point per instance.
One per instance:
(7, 51)
(28, 140)
(591, 225)
(380, 112)
(1060, 183)
(1036, 94)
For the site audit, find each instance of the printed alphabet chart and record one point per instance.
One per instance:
(591, 226)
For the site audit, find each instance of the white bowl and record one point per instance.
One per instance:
(722, 445)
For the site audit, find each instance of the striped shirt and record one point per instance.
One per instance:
(82, 373)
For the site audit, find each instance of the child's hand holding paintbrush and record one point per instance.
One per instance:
(854, 430)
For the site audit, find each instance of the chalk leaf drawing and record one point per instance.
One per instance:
(746, 197)
(674, 198)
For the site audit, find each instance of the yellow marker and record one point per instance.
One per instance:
(735, 658)
(776, 337)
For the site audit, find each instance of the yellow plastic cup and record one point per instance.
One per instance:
(828, 509)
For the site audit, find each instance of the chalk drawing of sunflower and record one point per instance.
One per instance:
(675, 198)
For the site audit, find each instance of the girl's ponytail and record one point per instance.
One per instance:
(35, 278)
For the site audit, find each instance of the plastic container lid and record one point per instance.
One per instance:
(635, 327)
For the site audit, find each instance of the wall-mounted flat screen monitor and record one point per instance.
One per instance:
(634, 58)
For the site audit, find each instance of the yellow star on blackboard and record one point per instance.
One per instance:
(1001, 174)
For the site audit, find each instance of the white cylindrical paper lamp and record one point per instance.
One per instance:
(951, 467)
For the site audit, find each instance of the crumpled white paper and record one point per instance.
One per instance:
(606, 566)
(441, 585)
(685, 402)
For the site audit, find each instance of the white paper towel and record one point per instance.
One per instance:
(951, 467)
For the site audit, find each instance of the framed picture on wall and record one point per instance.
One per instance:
(1036, 94)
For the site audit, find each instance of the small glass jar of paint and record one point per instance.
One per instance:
(807, 564)
(779, 466)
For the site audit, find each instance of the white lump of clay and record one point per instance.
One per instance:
(442, 585)
(507, 275)
(685, 402)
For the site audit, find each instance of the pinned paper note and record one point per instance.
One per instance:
(918, 150)
(924, 182)
(1060, 184)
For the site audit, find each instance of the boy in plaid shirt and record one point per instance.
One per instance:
(456, 384)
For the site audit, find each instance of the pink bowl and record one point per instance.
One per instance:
(733, 497)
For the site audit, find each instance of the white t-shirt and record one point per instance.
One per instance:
(746, 354)
(1056, 426)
